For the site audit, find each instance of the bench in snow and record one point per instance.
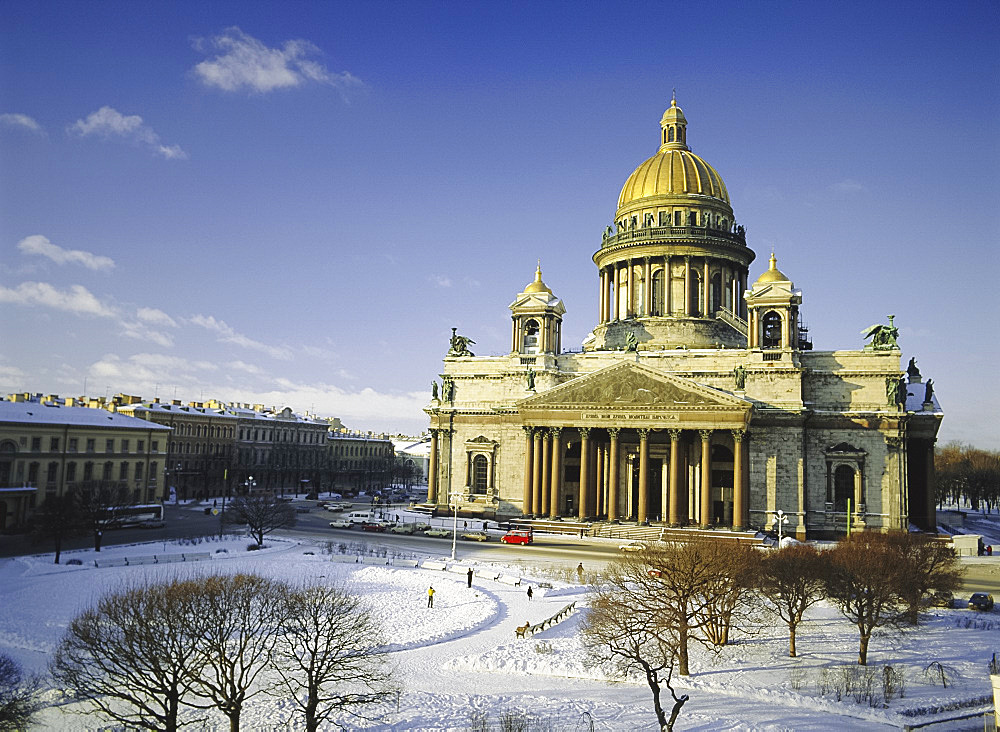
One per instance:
(168, 558)
(137, 561)
(404, 562)
(434, 564)
(490, 574)
(114, 562)
(197, 557)
(459, 569)
(374, 560)
(509, 579)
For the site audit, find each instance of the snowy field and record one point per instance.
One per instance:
(461, 658)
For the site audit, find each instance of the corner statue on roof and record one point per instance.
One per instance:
(460, 344)
(883, 336)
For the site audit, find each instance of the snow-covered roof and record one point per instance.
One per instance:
(54, 414)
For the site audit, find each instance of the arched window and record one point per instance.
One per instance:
(657, 294)
(716, 299)
(694, 297)
(480, 468)
(692, 218)
(531, 336)
(771, 330)
(670, 134)
(843, 487)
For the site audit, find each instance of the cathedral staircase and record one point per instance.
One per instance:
(654, 532)
(733, 321)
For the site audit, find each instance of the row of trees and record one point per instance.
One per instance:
(145, 651)
(968, 475)
(651, 605)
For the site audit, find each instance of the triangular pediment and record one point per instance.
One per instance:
(633, 386)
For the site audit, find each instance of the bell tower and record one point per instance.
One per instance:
(773, 311)
(537, 319)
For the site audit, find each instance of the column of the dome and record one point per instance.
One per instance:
(601, 304)
(687, 286)
(706, 290)
(630, 297)
(647, 290)
(668, 286)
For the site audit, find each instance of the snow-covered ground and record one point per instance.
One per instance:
(461, 658)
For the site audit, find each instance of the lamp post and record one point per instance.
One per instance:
(250, 484)
(454, 525)
(780, 519)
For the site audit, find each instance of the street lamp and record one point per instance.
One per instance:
(780, 519)
(250, 484)
(454, 525)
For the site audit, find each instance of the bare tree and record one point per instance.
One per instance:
(792, 580)
(926, 566)
(18, 696)
(97, 508)
(239, 618)
(58, 518)
(261, 513)
(329, 655)
(132, 655)
(863, 581)
(727, 593)
(627, 628)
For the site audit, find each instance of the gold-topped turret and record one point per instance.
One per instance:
(538, 285)
(673, 125)
(773, 274)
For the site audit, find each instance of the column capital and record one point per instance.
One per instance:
(739, 435)
(706, 435)
(555, 431)
(613, 432)
(584, 432)
(644, 433)
(675, 434)
(529, 431)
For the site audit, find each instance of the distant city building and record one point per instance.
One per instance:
(696, 400)
(416, 451)
(48, 449)
(360, 462)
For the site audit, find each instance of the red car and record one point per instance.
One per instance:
(517, 536)
(379, 526)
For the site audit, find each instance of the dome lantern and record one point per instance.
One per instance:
(673, 128)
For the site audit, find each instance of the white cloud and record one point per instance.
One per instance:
(243, 62)
(38, 244)
(108, 122)
(229, 335)
(848, 185)
(141, 332)
(77, 299)
(156, 317)
(440, 280)
(21, 121)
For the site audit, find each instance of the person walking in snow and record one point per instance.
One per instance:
(470, 577)
(430, 596)
(530, 593)
(579, 572)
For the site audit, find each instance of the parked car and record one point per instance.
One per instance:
(152, 524)
(421, 526)
(379, 526)
(517, 536)
(475, 536)
(632, 546)
(402, 529)
(942, 599)
(441, 533)
(981, 601)
(301, 509)
(341, 524)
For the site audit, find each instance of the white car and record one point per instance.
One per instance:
(632, 546)
(341, 524)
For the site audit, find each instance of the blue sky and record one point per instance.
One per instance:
(293, 203)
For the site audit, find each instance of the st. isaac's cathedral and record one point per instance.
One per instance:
(697, 400)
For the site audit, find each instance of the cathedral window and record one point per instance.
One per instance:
(670, 135)
(716, 298)
(677, 218)
(692, 218)
(694, 296)
(843, 487)
(657, 294)
(480, 473)
(530, 344)
(771, 330)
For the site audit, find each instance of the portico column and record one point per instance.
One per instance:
(536, 473)
(526, 505)
(599, 480)
(739, 499)
(555, 483)
(543, 508)
(643, 475)
(675, 447)
(647, 289)
(706, 476)
(432, 469)
(584, 470)
(613, 474)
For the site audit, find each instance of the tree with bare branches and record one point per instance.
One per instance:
(58, 519)
(238, 619)
(18, 696)
(727, 595)
(792, 579)
(863, 581)
(262, 513)
(927, 566)
(97, 507)
(330, 655)
(131, 656)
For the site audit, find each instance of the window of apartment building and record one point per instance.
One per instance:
(88, 471)
(153, 470)
(125, 445)
(90, 444)
(106, 472)
(109, 445)
(72, 444)
(36, 444)
(53, 472)
(140, 445)
(155, 446)
(138, 472)
(53, 444)
(32, 473)
(123, 471)
(70, 472)
(23, 440)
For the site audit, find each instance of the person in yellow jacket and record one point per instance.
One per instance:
(430, 597)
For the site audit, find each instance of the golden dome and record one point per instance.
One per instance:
(537, 285)
(773, 274)
(674, 170)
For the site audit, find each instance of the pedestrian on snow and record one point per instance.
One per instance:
(484, 526)
(530, 593)
(430, 597)
(470, 577)
(465, 524)
(579, 572)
